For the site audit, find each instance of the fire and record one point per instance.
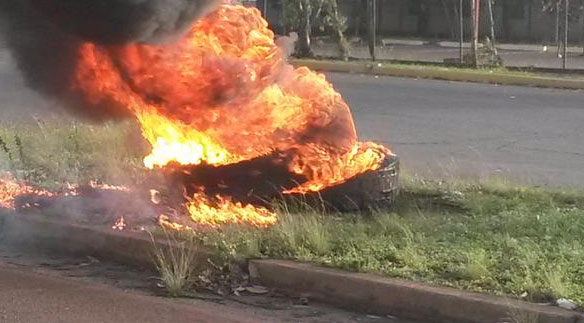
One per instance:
(222, 94)
(109, 187)
(166, 223)
(221, 211)
(10, 189)
(120, 224)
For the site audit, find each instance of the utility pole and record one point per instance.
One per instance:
(461, 31)
(265, 9)
(372, 28)
(566, 25)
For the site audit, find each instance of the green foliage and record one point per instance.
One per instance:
(177, 265)
(52, 154)
(486, 235)
(483, 236)
(303, 16)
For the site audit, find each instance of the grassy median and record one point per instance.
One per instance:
(497, 75)
(482, 235)
(489, 237)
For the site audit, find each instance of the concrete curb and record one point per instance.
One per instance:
(374, 294)
(450, 75)
(363, 292)
(130, 248)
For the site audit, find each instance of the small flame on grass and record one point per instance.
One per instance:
(165, 222)
(155, 197)
(120, 224)
(11, 188)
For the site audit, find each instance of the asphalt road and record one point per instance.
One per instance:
(54, 288)
(535, 136)
(26, 297)
(442, 128)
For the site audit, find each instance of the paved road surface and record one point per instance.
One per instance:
(533, 135)
(44, 287)
(27, 297)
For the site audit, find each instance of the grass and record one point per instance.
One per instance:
(51, 154)
(176, 266)
(438, 71)
(490, 237)
(480, 235)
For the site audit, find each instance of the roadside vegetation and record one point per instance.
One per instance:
(50, 153)
(481, 235)
(489, 237)
(360, 66)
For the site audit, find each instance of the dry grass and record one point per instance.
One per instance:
(177, 261)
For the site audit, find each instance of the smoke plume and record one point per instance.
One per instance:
(44, 35)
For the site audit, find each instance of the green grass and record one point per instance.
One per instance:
(480, 235)
(380, 66)
(52, 153)
(489, 237)
(177, 266)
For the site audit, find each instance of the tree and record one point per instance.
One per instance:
(303, 16)
(338, 23)
(492, 25)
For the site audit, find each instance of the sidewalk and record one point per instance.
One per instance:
(455, 44)
(514, 55)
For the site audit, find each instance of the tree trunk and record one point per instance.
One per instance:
(284, 19)
(343, 45)
(373, 28)
(304, 49)
(492, 25)
(339, 27)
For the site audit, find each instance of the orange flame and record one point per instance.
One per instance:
(222, 94)
(222, 211)
(10, 189)
(165, 222)
(120, 224)
(108, 187)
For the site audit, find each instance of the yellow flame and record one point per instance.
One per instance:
(222, 211)
(173, 141)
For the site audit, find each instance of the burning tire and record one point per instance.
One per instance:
(373, 190)
(261, 181)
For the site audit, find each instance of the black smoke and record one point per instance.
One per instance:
(44, 35)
